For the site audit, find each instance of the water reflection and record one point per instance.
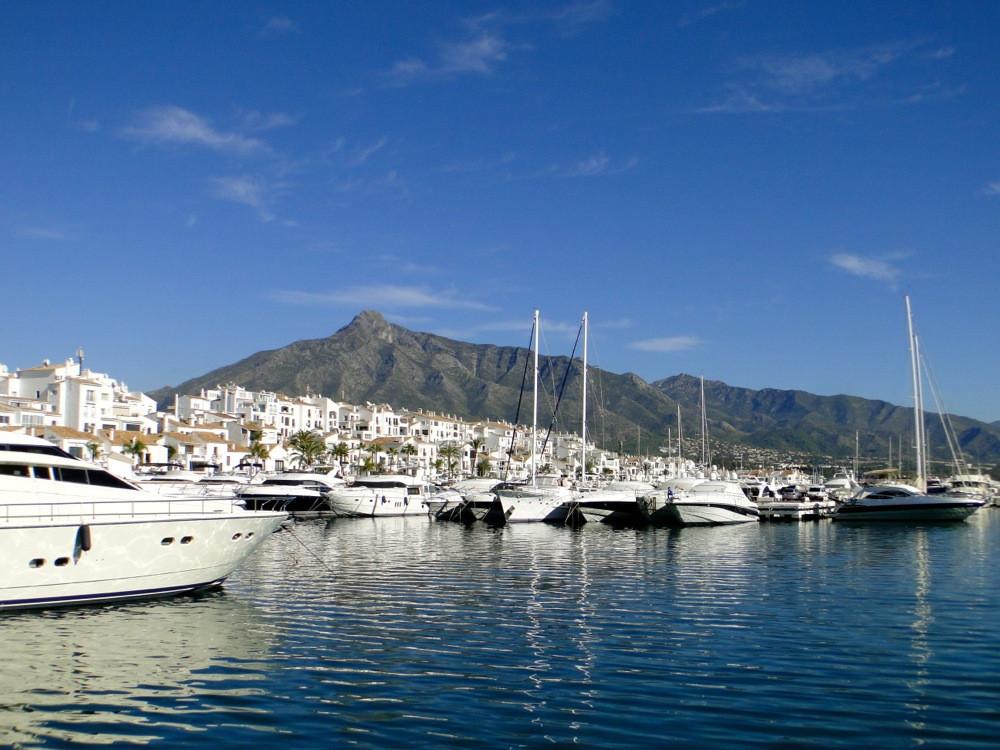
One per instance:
(391, 632)
(130, 673)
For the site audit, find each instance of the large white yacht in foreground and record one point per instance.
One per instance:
(73, 533)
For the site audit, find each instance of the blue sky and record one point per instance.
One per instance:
(741, 190)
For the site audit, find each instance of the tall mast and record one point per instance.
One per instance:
(923, 422)
(918, 416)
(583, 450)
(704, 424)
(680, 441)
(534, 409)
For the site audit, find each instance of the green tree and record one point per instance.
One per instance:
(259, 452)
(135, 448)
(476, 444)
(307, 448)
(450, 453)
(340, 452)
(485, 466)
(95, 451)
(171, 453)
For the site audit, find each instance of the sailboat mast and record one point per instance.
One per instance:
(534, 406)
(923, 422)
(583, 429)
(704, 423)
(680, 441)
(918, 416)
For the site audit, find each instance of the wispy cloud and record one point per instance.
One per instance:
(868, 268)
(830, 80)
(486, 43)
(366, 152)
(173, 125)
(384, 295)
(992, 188)
(402, 265)
(281, 25)
(599, 164)
(41, 233)
(666, 344)
(247, 190)
(708, 11)
(253, 120)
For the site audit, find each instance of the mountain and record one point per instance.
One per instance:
(371, 359)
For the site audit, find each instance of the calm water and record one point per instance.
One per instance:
(390, 632)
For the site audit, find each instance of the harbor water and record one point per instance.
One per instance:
(411, 632)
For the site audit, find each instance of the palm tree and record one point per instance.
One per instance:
(450, 451)
(259, 451)
(171, 453)
(476, 445)
(136, 448)
(372, 460)
(438, 465)
(95, 451)
(485, 466)
(340, 452)
(409, 450)
(391, 452)
(307, 446)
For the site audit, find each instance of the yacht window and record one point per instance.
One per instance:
(13, 470)
(70, 474)
(412, 490)
(45, 450)
(41, 472)
(107, 479)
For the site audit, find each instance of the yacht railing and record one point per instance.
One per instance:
(38, 512)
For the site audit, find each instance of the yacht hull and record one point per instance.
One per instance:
(950, 511)
(530, 508)
(100, 560)
(377, 505)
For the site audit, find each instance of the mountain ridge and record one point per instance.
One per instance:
(371, 359)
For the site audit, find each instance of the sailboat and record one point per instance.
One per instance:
(902, 502)
(543, 498)
(614, 503)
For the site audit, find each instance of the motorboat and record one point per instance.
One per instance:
(841, 485)
(615, 503)
(548, 498)
(901, 502)
(73, 533)
(699, 502)
(477, 499)
(295, 492)
(977, 486)
(381, 495)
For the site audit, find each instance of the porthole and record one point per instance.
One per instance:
(187, 539)
(62, 561)
(249, 534)
(37, 562)
(167, 541)
(237, 535)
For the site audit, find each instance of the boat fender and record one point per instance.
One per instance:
(83, 538)
(383, 499)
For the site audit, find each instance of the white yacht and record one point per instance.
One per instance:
(614, 503)
(901, 502)
(381, 495)
(699, 502)
(295, 492)
(841, 485)
(809, 507)
(547, 498)
(73, 533)
(978, 486)
(477, 498)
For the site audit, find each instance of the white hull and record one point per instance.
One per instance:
(522, 508)
(45, 563)
(367, 504)
(698, 514)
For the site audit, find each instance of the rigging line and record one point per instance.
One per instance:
(562, 388)
(949, 429)
(520, 398)
(305, 546)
